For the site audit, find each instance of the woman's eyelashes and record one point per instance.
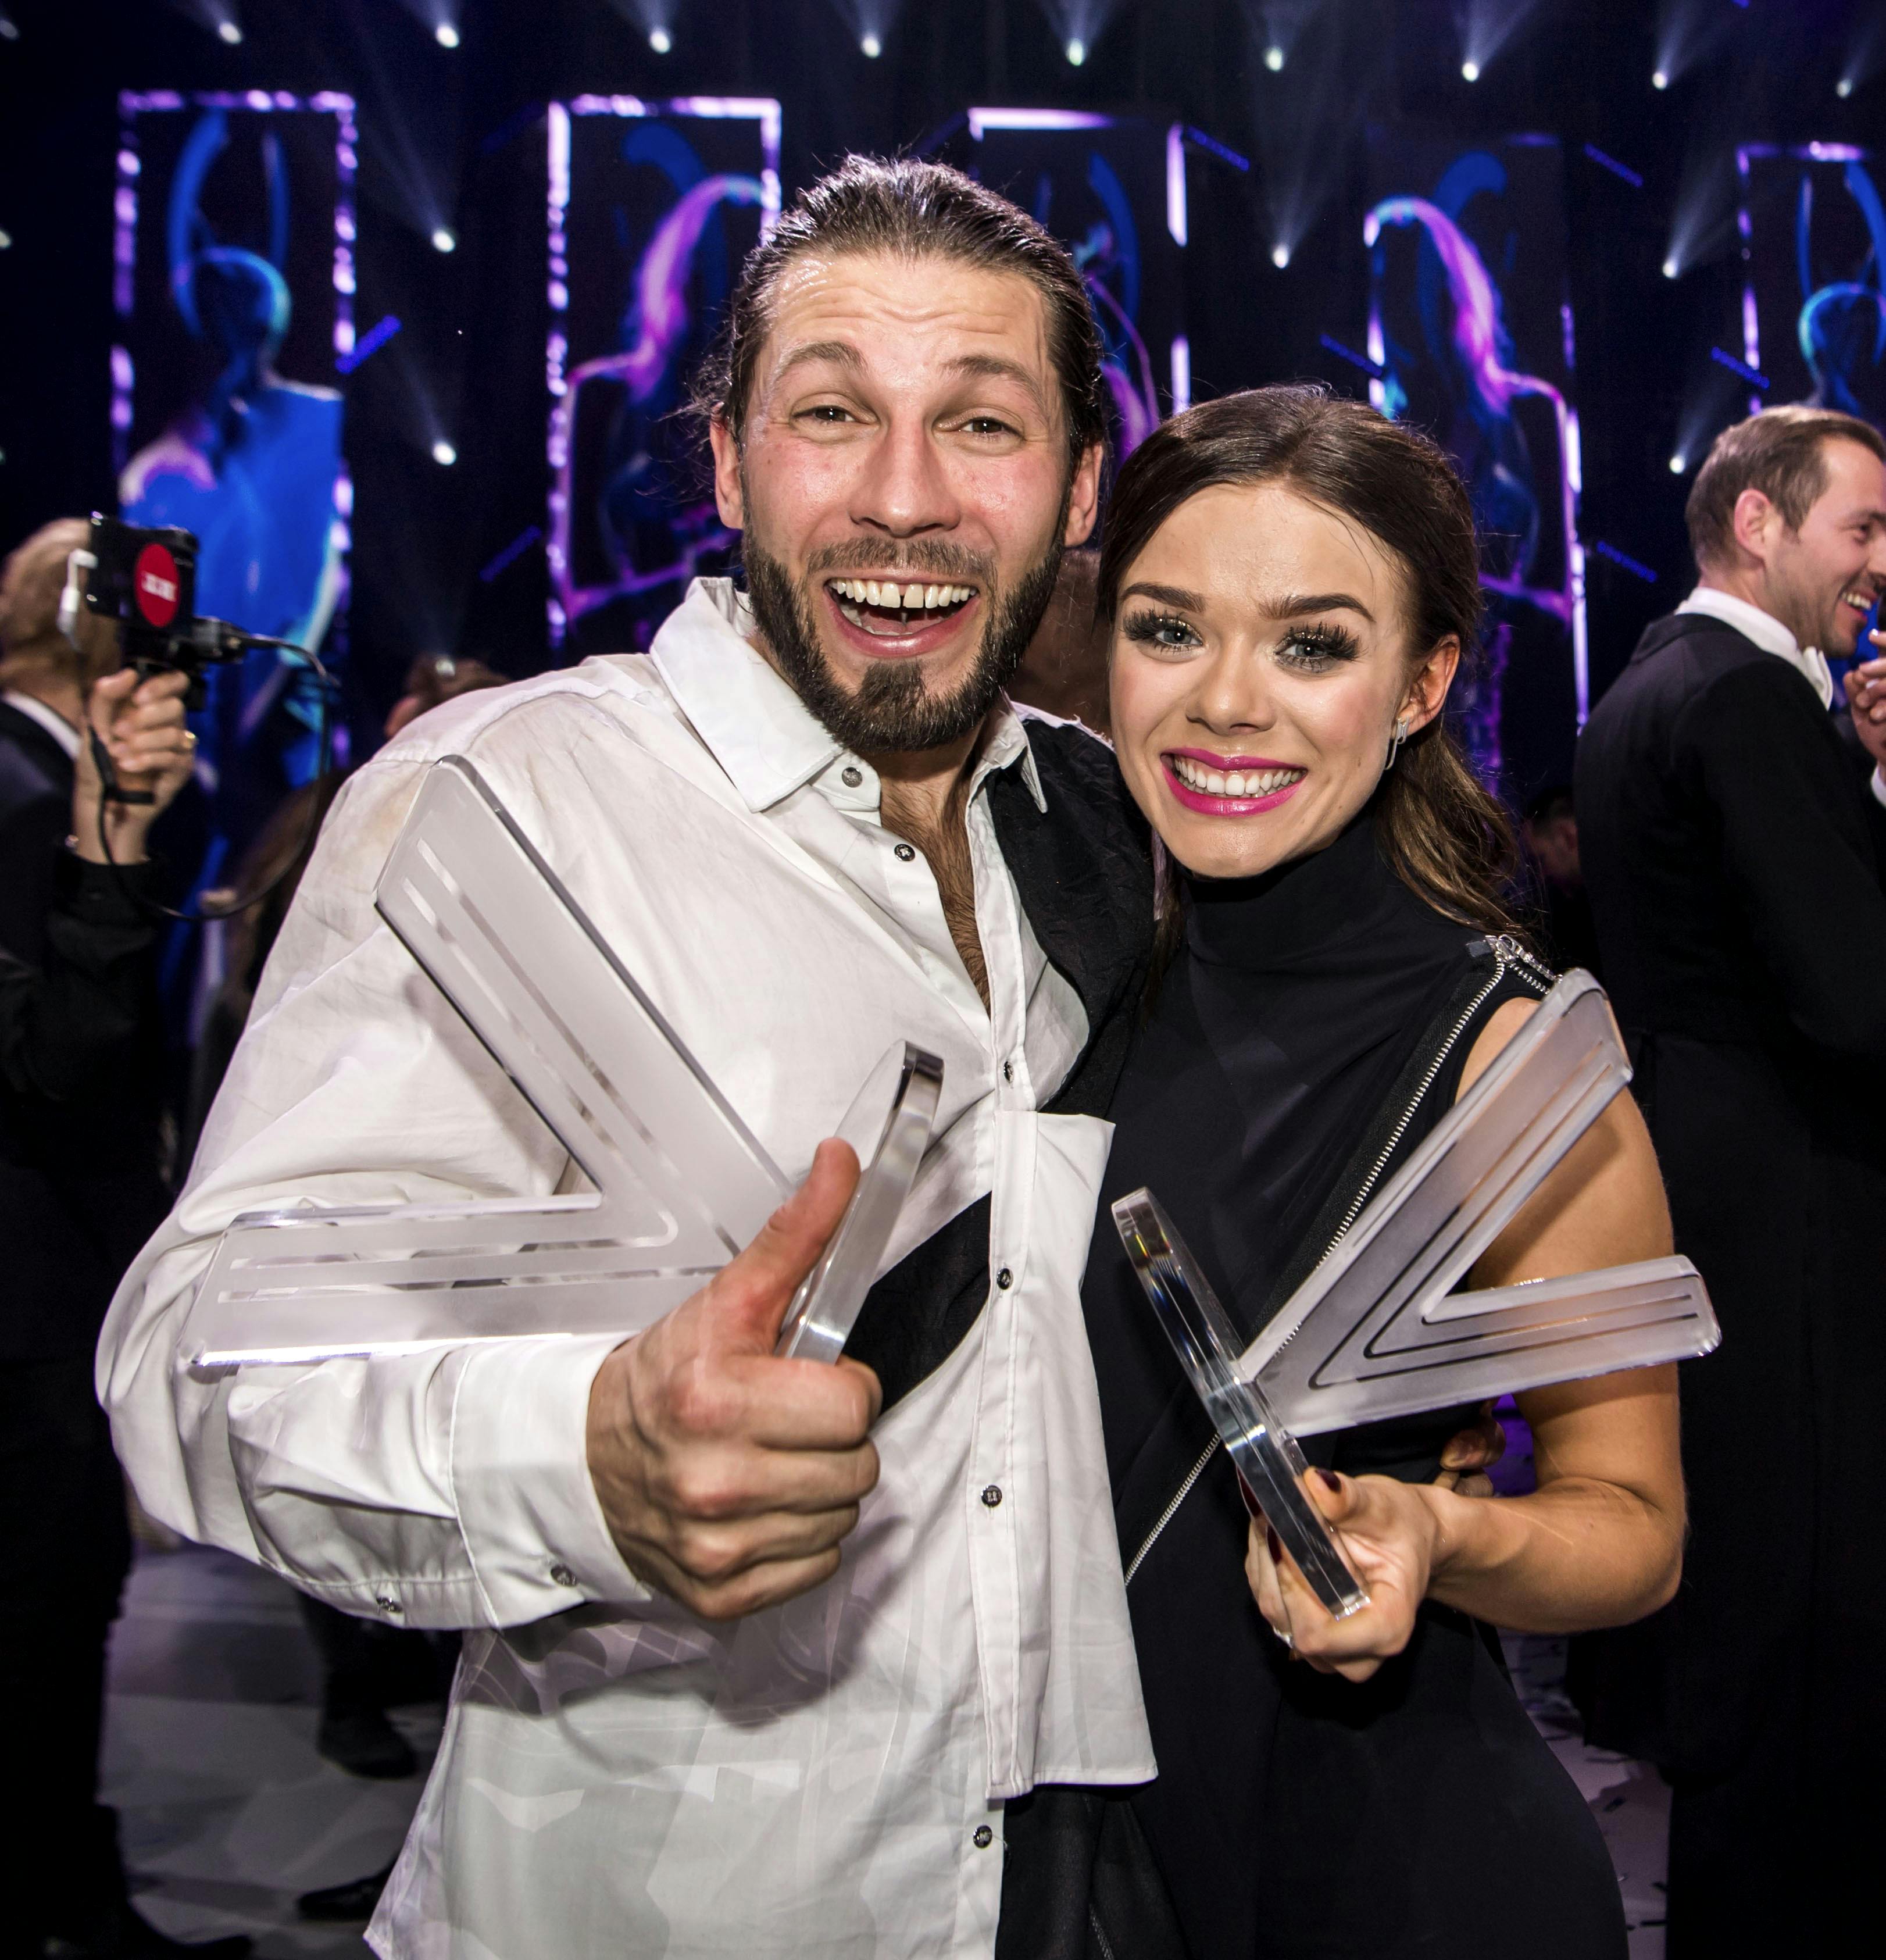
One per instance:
(1313, 649)
(1165, 630)
(1309, 649)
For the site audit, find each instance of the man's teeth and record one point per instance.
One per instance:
(1861, 601)
(1195, 775)
(901, 598)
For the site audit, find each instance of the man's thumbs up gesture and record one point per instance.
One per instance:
(728, 1476)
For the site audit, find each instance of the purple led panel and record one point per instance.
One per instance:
(651, 206)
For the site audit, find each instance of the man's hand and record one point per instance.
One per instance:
(1866, 700)
(728, 1476)
(1470, 1453)
(142, 725)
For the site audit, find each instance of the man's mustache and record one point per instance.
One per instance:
(928, 558)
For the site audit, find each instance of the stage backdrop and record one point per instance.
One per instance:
(234, 285)
(1112, 188)
(1470, 336)
(1814, 294)
(652, 206)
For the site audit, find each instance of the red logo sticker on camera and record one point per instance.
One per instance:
(154, 584)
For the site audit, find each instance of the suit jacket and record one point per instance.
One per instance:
(80, 1190)
(1734, 855)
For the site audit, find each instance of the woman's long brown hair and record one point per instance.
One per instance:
(1445, 836)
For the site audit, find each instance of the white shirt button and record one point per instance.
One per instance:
(850, 775)
(561, 1575)
(906, 851)
(992, 1495)
(983, 1838)
(386, 1605)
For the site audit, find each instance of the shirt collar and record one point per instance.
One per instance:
(1767, 632)
(56, 724)
(750, 720)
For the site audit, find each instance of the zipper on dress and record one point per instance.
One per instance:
(1507, 952)
(1165, 1518)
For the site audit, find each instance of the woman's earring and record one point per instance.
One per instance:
(1395, 747)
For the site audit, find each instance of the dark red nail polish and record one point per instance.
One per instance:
(1276, 1544)
(1330, 1478)
(1251, 1504)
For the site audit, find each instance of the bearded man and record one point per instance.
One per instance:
(759, 1652)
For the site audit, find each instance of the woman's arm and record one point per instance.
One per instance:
(1600, 1542)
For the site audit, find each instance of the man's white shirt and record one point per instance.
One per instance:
(826, 1777)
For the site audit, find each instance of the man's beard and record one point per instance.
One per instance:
(892, 711)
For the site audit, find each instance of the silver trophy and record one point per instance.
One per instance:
(1375, 1331)
(681, 1184)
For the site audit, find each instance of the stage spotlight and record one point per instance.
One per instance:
(442, 453)
(446, 34)
(1844, 87)
(870, 47)
(660, 39)
(1077, 53)
(444, 241)
(9, 31)
(1677, 466)
(1660, 79)
(1470, 71)
(227, 30)
(1671, 268)
(1274, 58)
(1280, 256)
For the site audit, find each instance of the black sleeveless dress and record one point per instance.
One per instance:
(1296, 1814)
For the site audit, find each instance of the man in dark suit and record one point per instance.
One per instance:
(1733, 839)
(79, 1190)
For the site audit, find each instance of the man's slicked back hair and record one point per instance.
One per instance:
(912, 210)
(1780, 453)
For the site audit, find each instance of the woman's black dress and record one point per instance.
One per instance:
(1298, 1814)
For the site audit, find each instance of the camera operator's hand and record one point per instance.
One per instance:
(727, 1475)
(141, 726)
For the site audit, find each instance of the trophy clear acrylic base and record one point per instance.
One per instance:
(680, 1183)
(1375, 1331)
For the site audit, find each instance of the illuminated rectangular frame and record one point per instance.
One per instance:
(134, 103)
(981, 120)
(761, 109)
(1745, 155)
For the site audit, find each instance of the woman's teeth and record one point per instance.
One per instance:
(1195, 775)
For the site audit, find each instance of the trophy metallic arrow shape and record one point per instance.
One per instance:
(1375, 1332)
(681, 1184)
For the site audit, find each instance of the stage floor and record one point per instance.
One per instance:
(228, 1813)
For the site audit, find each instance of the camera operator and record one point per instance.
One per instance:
(79, 1189)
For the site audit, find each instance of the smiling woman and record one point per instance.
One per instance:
(1292, 582)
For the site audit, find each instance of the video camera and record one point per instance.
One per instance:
(144, 578)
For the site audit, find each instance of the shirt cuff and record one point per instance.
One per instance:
(533, 1528)
(1877, 782)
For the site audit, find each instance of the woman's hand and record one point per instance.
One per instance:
(141, 724)
(1392, 1535)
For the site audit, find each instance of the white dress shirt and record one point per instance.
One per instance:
(616, 1777)
(54, 723)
